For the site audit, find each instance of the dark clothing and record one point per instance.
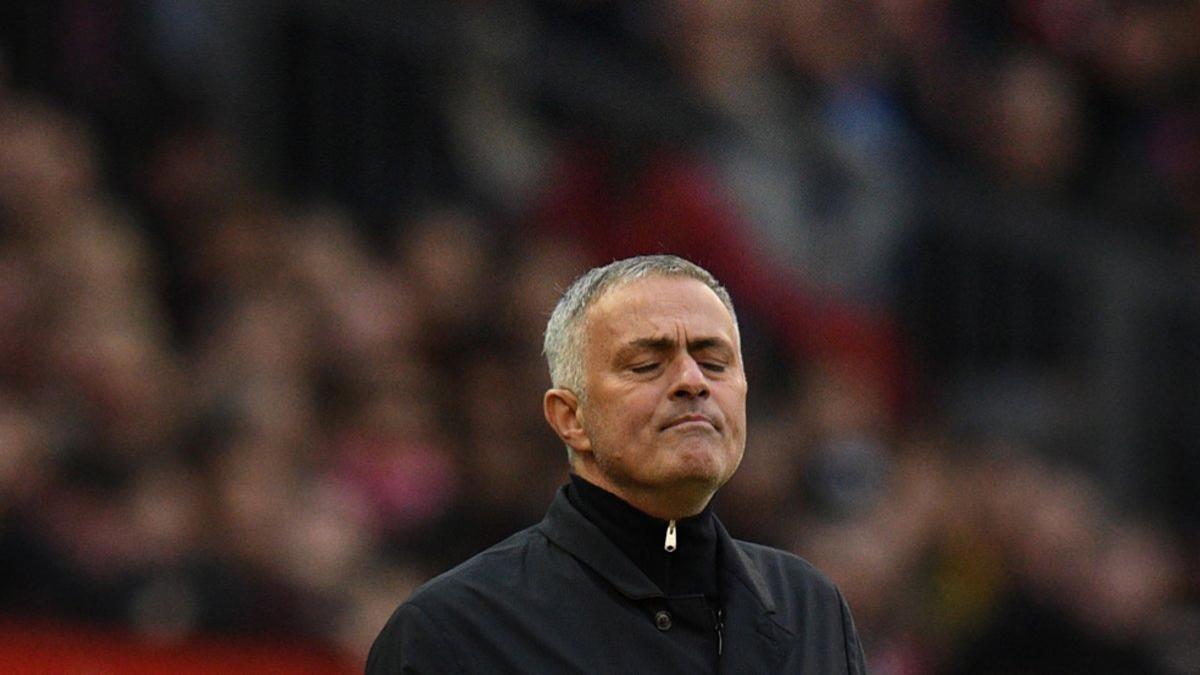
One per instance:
(562, 597)
(691, 569)
(687, 575)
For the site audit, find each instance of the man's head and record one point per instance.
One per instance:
(649, 391)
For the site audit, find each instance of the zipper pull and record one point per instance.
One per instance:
(669, 544)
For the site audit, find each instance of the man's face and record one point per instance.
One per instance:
(665, 409)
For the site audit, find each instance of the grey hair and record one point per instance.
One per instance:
(564, 343)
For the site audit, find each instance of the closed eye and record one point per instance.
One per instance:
(644, 368)
(714, 367)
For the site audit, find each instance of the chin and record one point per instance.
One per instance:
(700, 465)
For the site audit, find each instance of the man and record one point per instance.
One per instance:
(630, 571)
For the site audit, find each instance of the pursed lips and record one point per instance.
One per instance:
(690, 418)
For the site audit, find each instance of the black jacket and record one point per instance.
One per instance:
(561, 597)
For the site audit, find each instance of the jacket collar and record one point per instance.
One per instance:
(754, 640)
(572, 531)
(690, 569)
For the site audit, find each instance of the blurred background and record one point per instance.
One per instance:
(273, 277)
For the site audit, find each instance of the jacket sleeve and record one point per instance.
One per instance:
(856, 661)
(411, 643)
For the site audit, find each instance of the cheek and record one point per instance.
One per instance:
(637, 404)
(640, 416)
(619, 420)
(733, 404)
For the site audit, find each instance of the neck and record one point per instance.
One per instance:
(668, 503)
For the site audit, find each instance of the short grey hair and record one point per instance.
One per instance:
(564, 343)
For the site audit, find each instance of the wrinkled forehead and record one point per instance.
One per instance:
(656, 307)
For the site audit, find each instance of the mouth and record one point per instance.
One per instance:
(690, 420)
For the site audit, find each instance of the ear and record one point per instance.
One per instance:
(561, 407)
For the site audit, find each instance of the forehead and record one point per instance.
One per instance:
(658, 306)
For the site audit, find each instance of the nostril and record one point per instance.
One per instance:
(689, 392)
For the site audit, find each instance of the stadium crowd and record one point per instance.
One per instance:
(230, 406)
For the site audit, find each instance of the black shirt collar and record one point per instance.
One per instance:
(690, 570)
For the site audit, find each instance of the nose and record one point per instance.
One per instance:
(690, 380)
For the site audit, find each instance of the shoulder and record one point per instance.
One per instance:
(796, 586)
(783, 567)
(429, 630)
(804, 596)
(490, 572)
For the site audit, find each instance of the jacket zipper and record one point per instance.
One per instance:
(670, 544)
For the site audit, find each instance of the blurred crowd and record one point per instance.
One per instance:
(237, 401)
